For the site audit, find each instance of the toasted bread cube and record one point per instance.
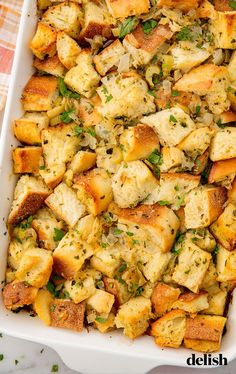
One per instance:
(65, 205)
(101, 301)
(17, 294)
(83, 78)
(232, 67)
(109, 57)
(23, 240)
(123, 9)
(169, 330)
(192, 303)
(132, 183)
(163, 297)
(192, 265)
(232, 192)
(35, 267)
(94, 190)
(184, 5)
(51, 65)
(164, 99)
(42, 304)
(226, 265)
(187, 56)
(172, 158)
(109, 158)
(222, 5)
(26, 160)
(227, 117)
(223, 28)
(133, 316)
(221, 170)
(28, 128)
(67, 315)
(65, 17)
(204, 333)
(81, 289)
(125, 95)
(40, 93)
(202, 238)
(223, 144)
(209, 201)
(138, 142)
(153, 265)
(82, 161)
(224, 229)
(43, 4)
(88, 111)
(217, 303)
(200, 163)
(44, 41)
(172, 125)
(197, 142)
(70, 255)
(143, 47)
(29, 195)
(107, 325)
(107, 261)
(119, 290)
(68, 50)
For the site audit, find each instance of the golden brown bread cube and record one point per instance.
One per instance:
(119, 290)
(28, 128)
(26, 160)
(88, 112)
(192, 303)
(109, 57)
(223, 28)
(82, 161)
(42, 304)
(68, 315)
(225, 265)
(217, 303)
(224, 229)
(223, 144)
(197, 142)
(222, 169)
(184, 5)
(17, 294)
(44, 41)
(101, 301)
(232, 192)
(40, 93)
(51, 65)
(67, 50)
(163, 297)
(124, 8)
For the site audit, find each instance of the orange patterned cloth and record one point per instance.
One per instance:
(10, 12)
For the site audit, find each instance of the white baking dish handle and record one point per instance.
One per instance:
(98, 362)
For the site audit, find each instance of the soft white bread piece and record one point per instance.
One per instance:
(232, 67)
(223, 144)
(17, 294)
(224, 229)
(187, 56)
(158, 222)
(202, 238)
(50, 65)
(119, 290)
(209, 280)
(67, 49)
(35, 267)
(109, 57)
(101, 301)
(226, 265)
(109, 158)
(222, 169)
(90, 229)
(209, 201)
(197, 142)
(94, 190)
(192, 303)
(107, 261)
(171, 125)
(123, 9)
(138, 142)
(125, 95)
(65, 17)
(172, 158)
(132, 183)
(184, 5)
(23, 240)
(40, 93)
(217, 303)
(223, 27)
(204, 333)
(28, 128)
(82, 288)
(134, 316)
(29, 195)
(88, 111)
(143, 47)
(163, 297)
(44, 41)
(82, 161)
(67, 315)
(154, 264)
(45, 224)
(65, 204)
(169, 330)
(26, 160)
(232, 192)
(192, 266)
(83, 77)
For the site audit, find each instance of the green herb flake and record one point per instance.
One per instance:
(16, 362)
(198, 109)
(220, 124)
(175, 93)
(54, 369)
(104, 245)
(129, 233)
(1, 357)
(58, 234)
(66, 116)
(91, 132)
(149, 26)
(151, 93)
(139, 291)
(117, 231)
(185, 34)
(43, 167)
(78, 130)
(128, 26)
(100, 320)
(122, 268)
(232, 4)
(155, 158)
(173, 119)
(65, 92)
(163, 202)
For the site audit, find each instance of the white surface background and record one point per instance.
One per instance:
(23, 357)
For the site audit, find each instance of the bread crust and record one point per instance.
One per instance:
(17, 294)
(68, 315)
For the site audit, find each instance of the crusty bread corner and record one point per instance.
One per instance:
(197, 142)
(226, 265)
(44, 41)
(101, 301)
(27, 129)
(221, 170)
(67, 49)
(82, 161)
(109, 57)
(66, 314)
(184, 5)
(223, 29)
(217, 302)
(192, 303)
(119, 290)
(232, 192)
(26, 160)
(82, 289)
(163, 297)
(224, 229)
(29, 195)
(51, 65)
(122, 8)
(17, 294)
(88, 111)
(223, 144)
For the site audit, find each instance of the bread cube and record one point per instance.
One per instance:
(134, 316)
(82, 161)
(197, 142)
(202, 238)
(107, 261)
(67, 50)
(90, 228)
(43, 4)
(44, 41)
(17, 294)
(217, 303)
(204, 205)
(164, 99)
(223, 28)
(138, 142)
(83, 78)
(94, 190)
(169, 330)
(40, 93)
(223, 144)
(171, 125)
(28, 128)
(192, 265)
(67, 315)
(172, 158)
(163, 297)
(107, 325)
(109, 57)
(222, 170)
(88, 111)
(109, 158)
(203, 333)
(125, 95)
(183, 5)
(153, 265)
(29, 195)
(101, 301)
(123, 9)
(81, 289)
(119, 290)
(209, 279)
(26, 160)
(200, 163)
(192, 303)
(225, 265)
(206, 9)
(224, 229)
(232, 192)
(232, 67)
(143, 47)
(222, 5)
(51, 65)
(35, 267)
(187, 56)
(227, 117)
(23, 240)
(65, 17)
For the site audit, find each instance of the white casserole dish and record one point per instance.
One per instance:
(86, 352)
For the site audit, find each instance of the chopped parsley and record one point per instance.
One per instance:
(91, 132)
(151, 93)
(163, 202)
(139, 291)
(58, 234)
(128, 26)
(220, 124)
(65, 92)
(66, 116)
(185, 34)
(178, 244)
(122, 268)
(108, 96)
(175, 93)
(155, 158)
(100, 320)
(43, 167)
(78, 130)
(54, 369)
(215, 252)
(173, 119)
(129, 233)
(149, 26)
(232, 4)
(117, 231)
(198, 109)
(1, 357)
(25, 224)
